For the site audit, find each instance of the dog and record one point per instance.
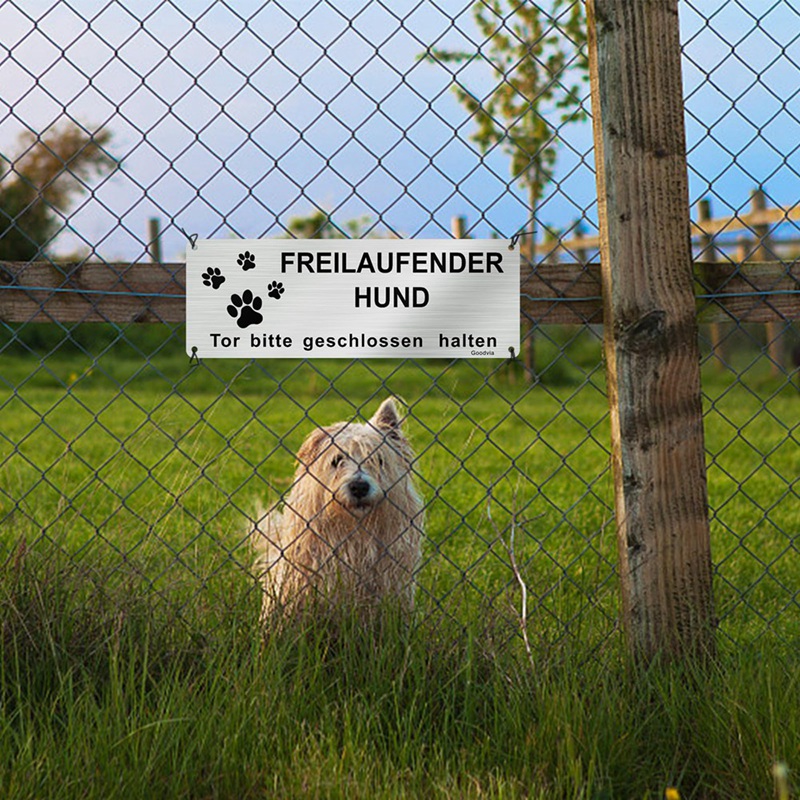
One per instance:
(349, 533)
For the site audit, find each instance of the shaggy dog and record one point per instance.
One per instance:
(349, 532)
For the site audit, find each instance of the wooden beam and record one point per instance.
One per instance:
(651, 344)
(90, 292)
(748, 221)
(704, 229)
(458, 227)
(571, 294)
(558, 294)
(550, 294)
(765, 292)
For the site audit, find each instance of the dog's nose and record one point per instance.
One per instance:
(359, 488)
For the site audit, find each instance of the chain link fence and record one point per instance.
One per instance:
(125, 132)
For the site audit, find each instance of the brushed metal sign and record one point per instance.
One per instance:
(352, 298)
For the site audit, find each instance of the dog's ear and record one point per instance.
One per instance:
(315, 443)
(386, 418)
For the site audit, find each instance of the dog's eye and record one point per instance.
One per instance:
(336, 460)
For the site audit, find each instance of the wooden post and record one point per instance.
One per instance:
(763, 252)
(580, 252)
(651, 346)
(709, 255)
(528, 345)
(458, 227)
(154, 235)
(743, 250)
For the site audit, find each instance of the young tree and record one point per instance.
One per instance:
(320, 225)
(538, 65)
(38, 186)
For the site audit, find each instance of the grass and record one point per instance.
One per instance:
(131, 662)
(102, 699)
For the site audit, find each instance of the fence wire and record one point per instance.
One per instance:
(126, 132)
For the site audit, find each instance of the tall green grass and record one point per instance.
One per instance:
(132, 664)
(102, 697)
(157, 465)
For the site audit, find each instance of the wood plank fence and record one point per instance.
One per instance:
(550, 294)
(706, 231)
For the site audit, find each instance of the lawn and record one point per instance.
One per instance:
(132, 664)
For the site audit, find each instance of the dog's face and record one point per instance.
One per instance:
(356, 466)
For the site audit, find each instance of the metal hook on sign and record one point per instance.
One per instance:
(516, 237)
(191, 237)
(194, 359)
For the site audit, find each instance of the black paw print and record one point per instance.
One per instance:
(275, 289)
(244, 309)
(246, 260)
(213, 278)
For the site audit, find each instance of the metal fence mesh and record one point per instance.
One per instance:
(740, 124)
(286, 119)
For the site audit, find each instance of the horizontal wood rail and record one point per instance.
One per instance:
(550, 294)
(747, 222)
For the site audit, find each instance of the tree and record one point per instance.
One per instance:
(538, 64)
(320, 225)
(37, 188)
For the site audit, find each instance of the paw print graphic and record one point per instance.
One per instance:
(213, 278)
(275, 289)
(244, 309)
(246, 260)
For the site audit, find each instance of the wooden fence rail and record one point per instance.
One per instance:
(550, 294)
(706, 230)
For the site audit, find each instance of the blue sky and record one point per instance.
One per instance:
(231, 122)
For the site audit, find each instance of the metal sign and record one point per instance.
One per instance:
(365, 298)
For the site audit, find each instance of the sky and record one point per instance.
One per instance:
(230, 119)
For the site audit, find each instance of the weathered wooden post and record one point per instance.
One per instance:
(651, 345)
(580, 252)
(763, 252)
(709, 255)
(154, 235)
(458, 227)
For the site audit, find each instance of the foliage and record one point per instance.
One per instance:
(320, 225)
(38, 186)
(537, 63)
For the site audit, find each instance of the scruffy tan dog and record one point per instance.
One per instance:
(349, 532)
